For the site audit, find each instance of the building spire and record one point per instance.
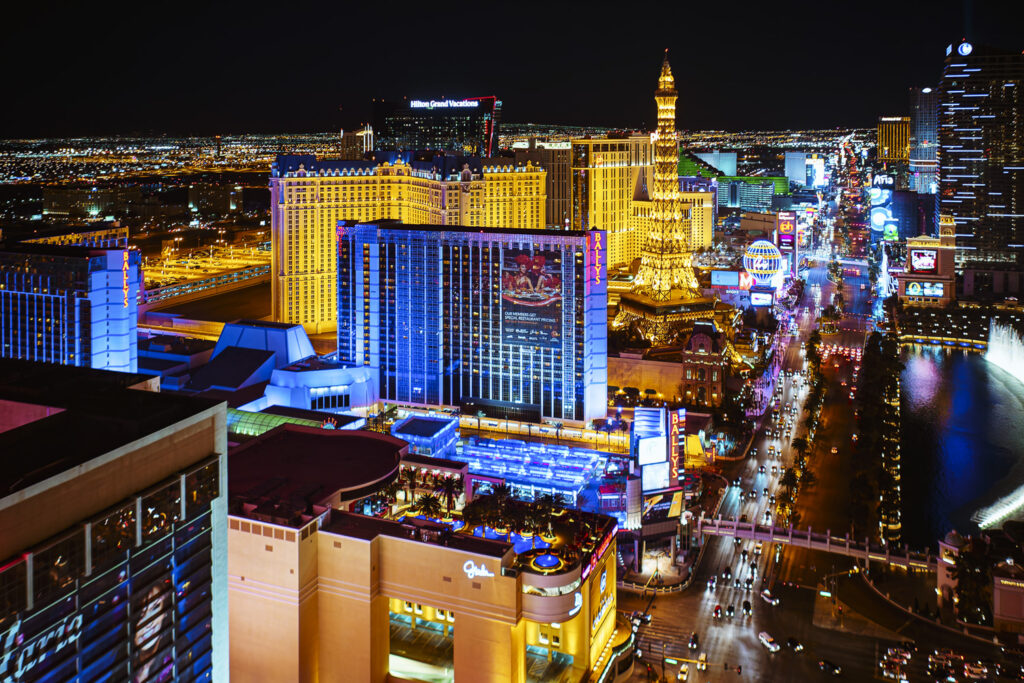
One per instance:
(665, 79)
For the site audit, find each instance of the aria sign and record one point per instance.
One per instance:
(444, 104)
(473, 571)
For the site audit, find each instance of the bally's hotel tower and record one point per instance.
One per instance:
(506, 323)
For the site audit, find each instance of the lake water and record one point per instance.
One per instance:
(963, 443)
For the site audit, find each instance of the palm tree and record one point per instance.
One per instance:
(410, 481)
(428, 505)
(800, 445)
(449, 489)
(788, 480)
(390, 491)
(807, 478)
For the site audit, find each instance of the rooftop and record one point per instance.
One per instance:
(283, 475)
(423, 426)
(422, 530)
(98, 414)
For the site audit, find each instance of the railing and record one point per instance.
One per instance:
(839, 545)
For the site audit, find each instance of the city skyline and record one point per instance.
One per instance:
(225, 82)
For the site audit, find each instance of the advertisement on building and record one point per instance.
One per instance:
(787, 231)
(934, 289)
(761, 298)
(531, 293)
(923, 260)
(725, 278)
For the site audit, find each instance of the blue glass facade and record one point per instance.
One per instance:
(126, 596)
(451, 316)
(70, 305)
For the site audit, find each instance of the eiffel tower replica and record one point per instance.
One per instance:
(665, 298)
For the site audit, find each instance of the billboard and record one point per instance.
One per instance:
(654, 477)
(531, 293)
(650, 450)
(923, 260)
(787, 230)
(761, 298)
(934, 289)
(725, 278)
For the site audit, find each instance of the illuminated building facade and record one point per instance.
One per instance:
(665, 285)
(607, 175)
(309, 580)
(309, 196)
(511, 323)
(894, 138)
(70, 305)
(981, 163)
(665, 270)
(466, 126)
(924, 140)
(114, 532)
(555, 159)
(928, 277)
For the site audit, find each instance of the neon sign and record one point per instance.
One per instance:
(473, 571)
(444, 104)
(596, 247)
(124, 275)
(677, 418)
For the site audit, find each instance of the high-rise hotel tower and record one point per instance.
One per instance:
(309, 196)
(981, 162)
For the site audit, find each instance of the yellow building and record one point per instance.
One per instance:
(322, 594)
(309, 197)
(894, 138)
(702, 218)
(607, 174)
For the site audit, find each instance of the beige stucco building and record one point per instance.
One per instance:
(319, 593)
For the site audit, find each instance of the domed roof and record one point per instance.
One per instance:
(955, 539)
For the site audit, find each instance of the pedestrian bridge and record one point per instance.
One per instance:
(808, 538)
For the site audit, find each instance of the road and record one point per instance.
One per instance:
(795, 576)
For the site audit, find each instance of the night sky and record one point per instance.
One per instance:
(78, 68)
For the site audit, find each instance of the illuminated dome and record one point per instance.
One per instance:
(763, 261)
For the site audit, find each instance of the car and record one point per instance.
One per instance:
(854, 437)
(843, 383)
(727, 574)
(717, 612)
(852, 395)
(743, 519)
(702, 662)
(975, 670)
(768, 642)
(736, 481)
(753, 567)
(767, 596)
(830, 667)
(713, 583)
(746, 607)
(767, 516)
(775, 469)
(694, 641)
(764, 491)
(730, 611)
(684, 672)
(752, 494)
(794, 645)
(771, 499)
(761, 469)
(835, 450)
(758, 548)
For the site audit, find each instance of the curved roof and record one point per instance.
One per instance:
(304, 466)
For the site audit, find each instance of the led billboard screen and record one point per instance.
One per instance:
(725, 278)
(654, 477)
(934, 289)
(651, 449)
(531, 287)
(761, 298)
(787, 230)
(923, 260)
